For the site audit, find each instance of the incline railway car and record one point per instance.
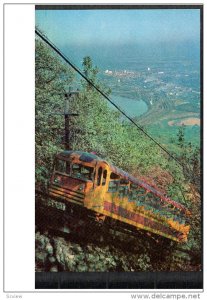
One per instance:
(87, 180)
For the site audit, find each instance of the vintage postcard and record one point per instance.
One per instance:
(118, 139)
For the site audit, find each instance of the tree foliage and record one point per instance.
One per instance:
(190, 159)
(51, 78)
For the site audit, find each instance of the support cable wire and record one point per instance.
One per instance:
(48, 42)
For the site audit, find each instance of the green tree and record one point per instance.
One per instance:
(190, 159)
(51, 78)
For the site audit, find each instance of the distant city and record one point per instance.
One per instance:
(169, 88)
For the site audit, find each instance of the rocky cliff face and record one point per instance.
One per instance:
(56, 254)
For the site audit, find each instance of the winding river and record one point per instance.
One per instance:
(133, 107)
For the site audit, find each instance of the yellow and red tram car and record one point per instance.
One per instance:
(87, 180)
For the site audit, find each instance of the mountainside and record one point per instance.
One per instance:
(99, 129)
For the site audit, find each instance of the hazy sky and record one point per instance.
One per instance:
(101, 27)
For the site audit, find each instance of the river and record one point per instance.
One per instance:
(133, 107)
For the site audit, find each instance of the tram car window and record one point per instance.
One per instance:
(62, 166)
(133, 192)
(149, 201)
(82, 171)
(113, 186)
(140, 193)
(123, 188)
(104, 177)
(114, 183)
(123, 191)
(114, 176)
(99, 176)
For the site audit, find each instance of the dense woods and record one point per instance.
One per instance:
(99, 129)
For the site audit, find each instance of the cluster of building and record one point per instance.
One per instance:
(124, 73)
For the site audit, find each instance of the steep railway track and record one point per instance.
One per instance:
(82, 227)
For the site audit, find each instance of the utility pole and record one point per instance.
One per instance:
(67, 115)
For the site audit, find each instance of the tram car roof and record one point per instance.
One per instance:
(93, 158)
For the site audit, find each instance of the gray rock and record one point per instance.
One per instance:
(41, 257)
(90, 248)
(49, 248)
(52, 259)
(78, 249)
(54, 269)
